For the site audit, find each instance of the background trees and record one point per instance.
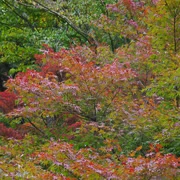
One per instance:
(25, 25)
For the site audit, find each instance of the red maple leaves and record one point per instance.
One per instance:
(7, 101)
(9, 132)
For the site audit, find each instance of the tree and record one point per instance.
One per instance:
(69, 81)
(166, 32)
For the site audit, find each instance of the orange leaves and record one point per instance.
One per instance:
(155, 148)
(139, 148)
(130, 4)
(133, 153)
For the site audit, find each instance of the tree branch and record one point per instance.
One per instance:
(36, 127)
(109, 34)
(90, 39)
(9, 5)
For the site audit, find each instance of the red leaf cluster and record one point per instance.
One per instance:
(9, 132)
(7, 101)
(75, 125)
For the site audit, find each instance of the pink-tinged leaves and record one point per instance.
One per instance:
(70, 82)
(87, 161)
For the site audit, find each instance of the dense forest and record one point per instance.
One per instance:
(90, 89)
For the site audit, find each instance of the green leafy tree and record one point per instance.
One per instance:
(165, 34)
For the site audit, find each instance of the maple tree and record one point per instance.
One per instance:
(103, 112)
(68, 82)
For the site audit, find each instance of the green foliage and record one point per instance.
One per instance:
(4, 120)
(23, 30)
(165, 32)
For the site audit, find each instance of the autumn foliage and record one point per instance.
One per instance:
(69, 82)
(100, 114)
(59, 160)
